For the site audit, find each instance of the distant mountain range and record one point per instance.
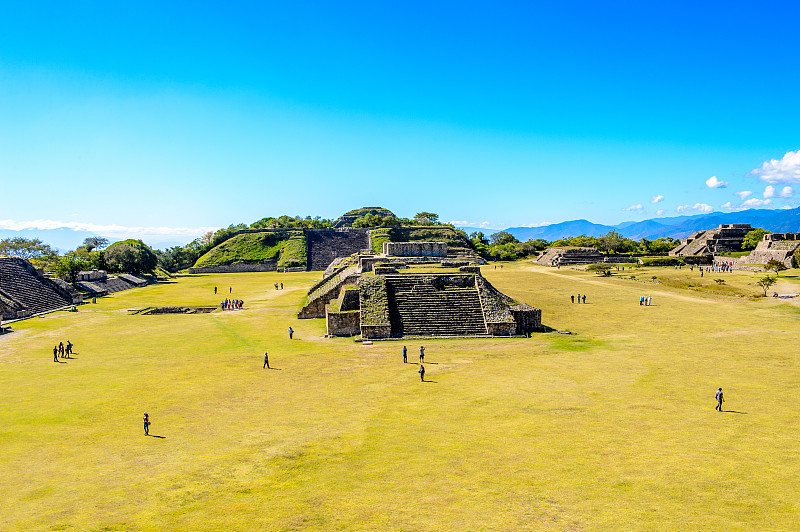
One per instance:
(776, 221)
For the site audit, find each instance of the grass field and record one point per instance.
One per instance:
(609, 428)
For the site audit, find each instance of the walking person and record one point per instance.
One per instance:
(584, 299)
(422, 373)
(266, 360)
(61, 349)
(281, 286)
(69, 348)
(421, 354)
(291, 332)
(215, 290)
(55, 353)
(579, 298)
(720, 400)
(572, 298)
(146, 424)
(405, 355)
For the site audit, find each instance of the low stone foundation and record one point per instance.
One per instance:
(239, 268)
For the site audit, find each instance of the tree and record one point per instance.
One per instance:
(33, 250)
(68, 266)
(766, 282)
(600, 269)
(95, 242)
(775, 266)
(503, 237)
(752, 239)
(426, 218)
(613, 242)
(131, 256)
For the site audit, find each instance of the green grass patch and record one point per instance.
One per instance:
(611, 428)
(284, 247)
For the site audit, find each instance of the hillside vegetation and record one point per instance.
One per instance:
(453, 237)
(287, 248)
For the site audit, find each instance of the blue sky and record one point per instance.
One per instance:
(165, 119)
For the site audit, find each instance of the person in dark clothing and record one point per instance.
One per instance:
(61, 349)
(69, 348)
(281, 286)
(215, 290)
(291, 332)
(422, 373)
(584, 299)
(405, 355)
(146, 424)
(422, 354)
(572, 298)
(55, 353)
(720, 400)
(266, 360)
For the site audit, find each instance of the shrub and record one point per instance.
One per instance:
(661, 261)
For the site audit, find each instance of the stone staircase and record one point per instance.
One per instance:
(418, 308)
(34, 293)
(325, 245)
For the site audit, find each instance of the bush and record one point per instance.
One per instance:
(132, 256)
(661, 261)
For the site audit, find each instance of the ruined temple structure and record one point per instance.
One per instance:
(774, 246)
(569, 256)
(98, 283)
(381, 296)
(25, 292)
(703, 245)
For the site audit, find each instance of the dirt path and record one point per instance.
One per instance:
(606, 283)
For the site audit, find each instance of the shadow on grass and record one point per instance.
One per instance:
(154, 436)
(732, 412)
(432, 382)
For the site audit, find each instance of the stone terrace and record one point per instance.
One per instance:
(32, 292)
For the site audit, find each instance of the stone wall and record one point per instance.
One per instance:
(239, 268)
(343, 323)
(415, 249)
(91, 275)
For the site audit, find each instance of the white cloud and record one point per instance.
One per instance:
(113, 231)
(477, 225)
(637, 207)
(713, 182)
(769, 191)
(543, 224)
(659, 212)
(744, 193)
(755, 202)
(787, 192)
(727, 206)
(697, 207)
(658, 198)
(786, 170)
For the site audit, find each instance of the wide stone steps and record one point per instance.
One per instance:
(425, 311)
(323, 246)
(27, 287)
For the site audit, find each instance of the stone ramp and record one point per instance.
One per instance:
(438, 308)
(325, 245)
(32, 292)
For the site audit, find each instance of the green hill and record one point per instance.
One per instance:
(286, 248)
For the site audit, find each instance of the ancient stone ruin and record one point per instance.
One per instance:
(25, 292)
(97, 282)
(382, 296)
(569, 256)
(701, 246)
(775, 246)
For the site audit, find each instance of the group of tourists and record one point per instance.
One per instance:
(645, 300)
(421, 370)
(572, 298)
(62, 351)
(231, 304)
(276, 286)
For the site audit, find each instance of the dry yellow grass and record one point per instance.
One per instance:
(610, 428)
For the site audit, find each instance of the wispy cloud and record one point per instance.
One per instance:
(112, 231)
(744, 194)
(477, 225)
(697, 207)
(659, 212)
(713, 182)
(656, 199)
(637, 207)
(755, 202)
(785, 170)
